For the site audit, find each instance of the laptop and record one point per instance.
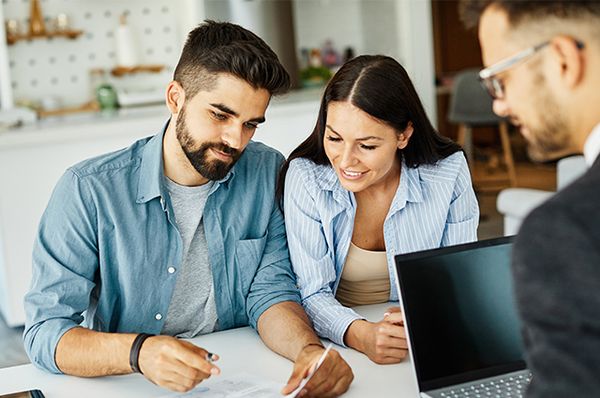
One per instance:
(462, 326)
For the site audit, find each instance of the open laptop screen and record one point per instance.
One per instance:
(460, 312)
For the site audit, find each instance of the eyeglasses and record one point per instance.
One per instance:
(489, 76)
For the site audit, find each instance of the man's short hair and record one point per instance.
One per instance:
(520, 10)
(223, 47)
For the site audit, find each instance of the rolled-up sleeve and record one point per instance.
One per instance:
(312, 259)
(65, 260)
(463, 214)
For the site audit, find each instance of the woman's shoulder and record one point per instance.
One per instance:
(448, 168)
(305, 171)
(310, 169)
(302, 164)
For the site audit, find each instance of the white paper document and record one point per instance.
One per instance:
(242, 385)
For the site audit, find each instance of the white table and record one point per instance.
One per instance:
(241, 350)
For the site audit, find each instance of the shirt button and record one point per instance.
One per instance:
(158, 316)
(171, 270)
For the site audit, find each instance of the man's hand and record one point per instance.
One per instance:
(332, 379)
(383, 342)
(175, 364)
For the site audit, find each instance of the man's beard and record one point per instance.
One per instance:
(210, 169)
(551, 138)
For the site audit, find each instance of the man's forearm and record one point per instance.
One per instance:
(87, 353)
(286, 329)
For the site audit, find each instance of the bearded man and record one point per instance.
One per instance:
(176, 236)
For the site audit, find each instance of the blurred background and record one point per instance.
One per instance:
(54, 63)
(80, 77)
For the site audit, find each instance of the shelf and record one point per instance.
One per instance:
(69, 34)
(91, 106)
(119, 71)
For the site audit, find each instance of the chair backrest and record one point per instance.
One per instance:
(470, 103)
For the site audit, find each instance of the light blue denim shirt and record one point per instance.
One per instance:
(108, 239)
(434, 206)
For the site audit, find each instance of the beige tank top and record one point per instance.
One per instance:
(365, 279)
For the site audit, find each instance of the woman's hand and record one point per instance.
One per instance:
(383, 342)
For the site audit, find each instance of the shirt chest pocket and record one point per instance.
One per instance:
(248, 255)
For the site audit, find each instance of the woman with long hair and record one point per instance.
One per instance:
(373, 180)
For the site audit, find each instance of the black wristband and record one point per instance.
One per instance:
(134, 354)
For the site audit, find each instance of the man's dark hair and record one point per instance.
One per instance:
(223, 47)
(519, 10)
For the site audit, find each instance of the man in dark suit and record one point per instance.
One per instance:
(543, 69)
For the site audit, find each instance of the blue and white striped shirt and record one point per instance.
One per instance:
(434, 206)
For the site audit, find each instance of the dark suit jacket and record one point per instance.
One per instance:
(556, 267)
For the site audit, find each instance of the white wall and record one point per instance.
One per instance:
(415, 36)
(338, 20)
(380, 28)
(399, 28)
(273, 21)
(191, 13)
(6, 101)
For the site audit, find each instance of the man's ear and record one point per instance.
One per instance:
(570, 60)
(175, 97)
(404, 136)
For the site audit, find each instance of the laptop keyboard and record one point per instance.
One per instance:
(500, 387)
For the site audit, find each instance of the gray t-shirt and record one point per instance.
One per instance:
(192, 310)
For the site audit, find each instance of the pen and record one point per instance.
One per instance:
(306, 380)
(320, 362)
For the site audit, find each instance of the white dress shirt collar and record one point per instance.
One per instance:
(591, 148)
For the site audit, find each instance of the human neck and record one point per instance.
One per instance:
(585, 110)
(586, 116)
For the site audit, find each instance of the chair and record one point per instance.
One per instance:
(471, 107)
(516, 203)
